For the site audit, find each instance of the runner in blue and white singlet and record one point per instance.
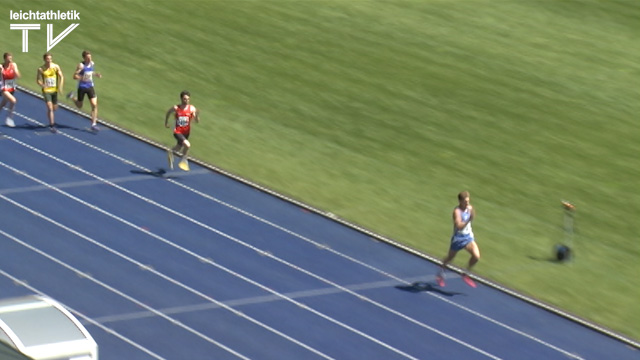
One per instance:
(462, 238)
(84, 74)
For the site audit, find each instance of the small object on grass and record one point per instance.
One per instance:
(563, 252)
(568, 206)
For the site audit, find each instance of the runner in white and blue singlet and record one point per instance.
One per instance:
(84, 74)
(462, 238)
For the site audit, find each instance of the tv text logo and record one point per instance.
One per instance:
(43, 15)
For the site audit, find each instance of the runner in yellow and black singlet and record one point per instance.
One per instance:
(51, 81)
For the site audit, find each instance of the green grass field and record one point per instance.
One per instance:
(382, 111)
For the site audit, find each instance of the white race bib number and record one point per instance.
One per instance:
(10, 84)
(50, 82)
(87, 76)
(183, 120)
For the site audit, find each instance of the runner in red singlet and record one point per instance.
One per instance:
(9, 76)
(184, 113)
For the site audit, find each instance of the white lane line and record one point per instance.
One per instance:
(251, 300)
(200, 258)
(120, 293)
(153, 271)
(77, 184)
(323, 246)
(293, 266)
(86, 319)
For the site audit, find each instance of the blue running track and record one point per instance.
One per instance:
(162, 264)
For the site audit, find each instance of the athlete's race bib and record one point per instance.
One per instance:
(10, 84)
(50, 82)
(183, 120)
(87, 76)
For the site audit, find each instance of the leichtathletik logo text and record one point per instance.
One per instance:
(49, 15)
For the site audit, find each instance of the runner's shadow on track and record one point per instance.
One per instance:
(85, 130)
(31, 127)
(160, 173)
(422, 286)
(45, 128)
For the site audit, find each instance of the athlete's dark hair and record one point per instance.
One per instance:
(185, 92)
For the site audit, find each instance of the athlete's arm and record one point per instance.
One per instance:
(39, 78)
(166, 117)
(457, 219)
(15, 68)
(76, 74)
(60, 80)
(196, 117)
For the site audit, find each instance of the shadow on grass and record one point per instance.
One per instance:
(561, 254)
(422, 286)
(550, 259)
